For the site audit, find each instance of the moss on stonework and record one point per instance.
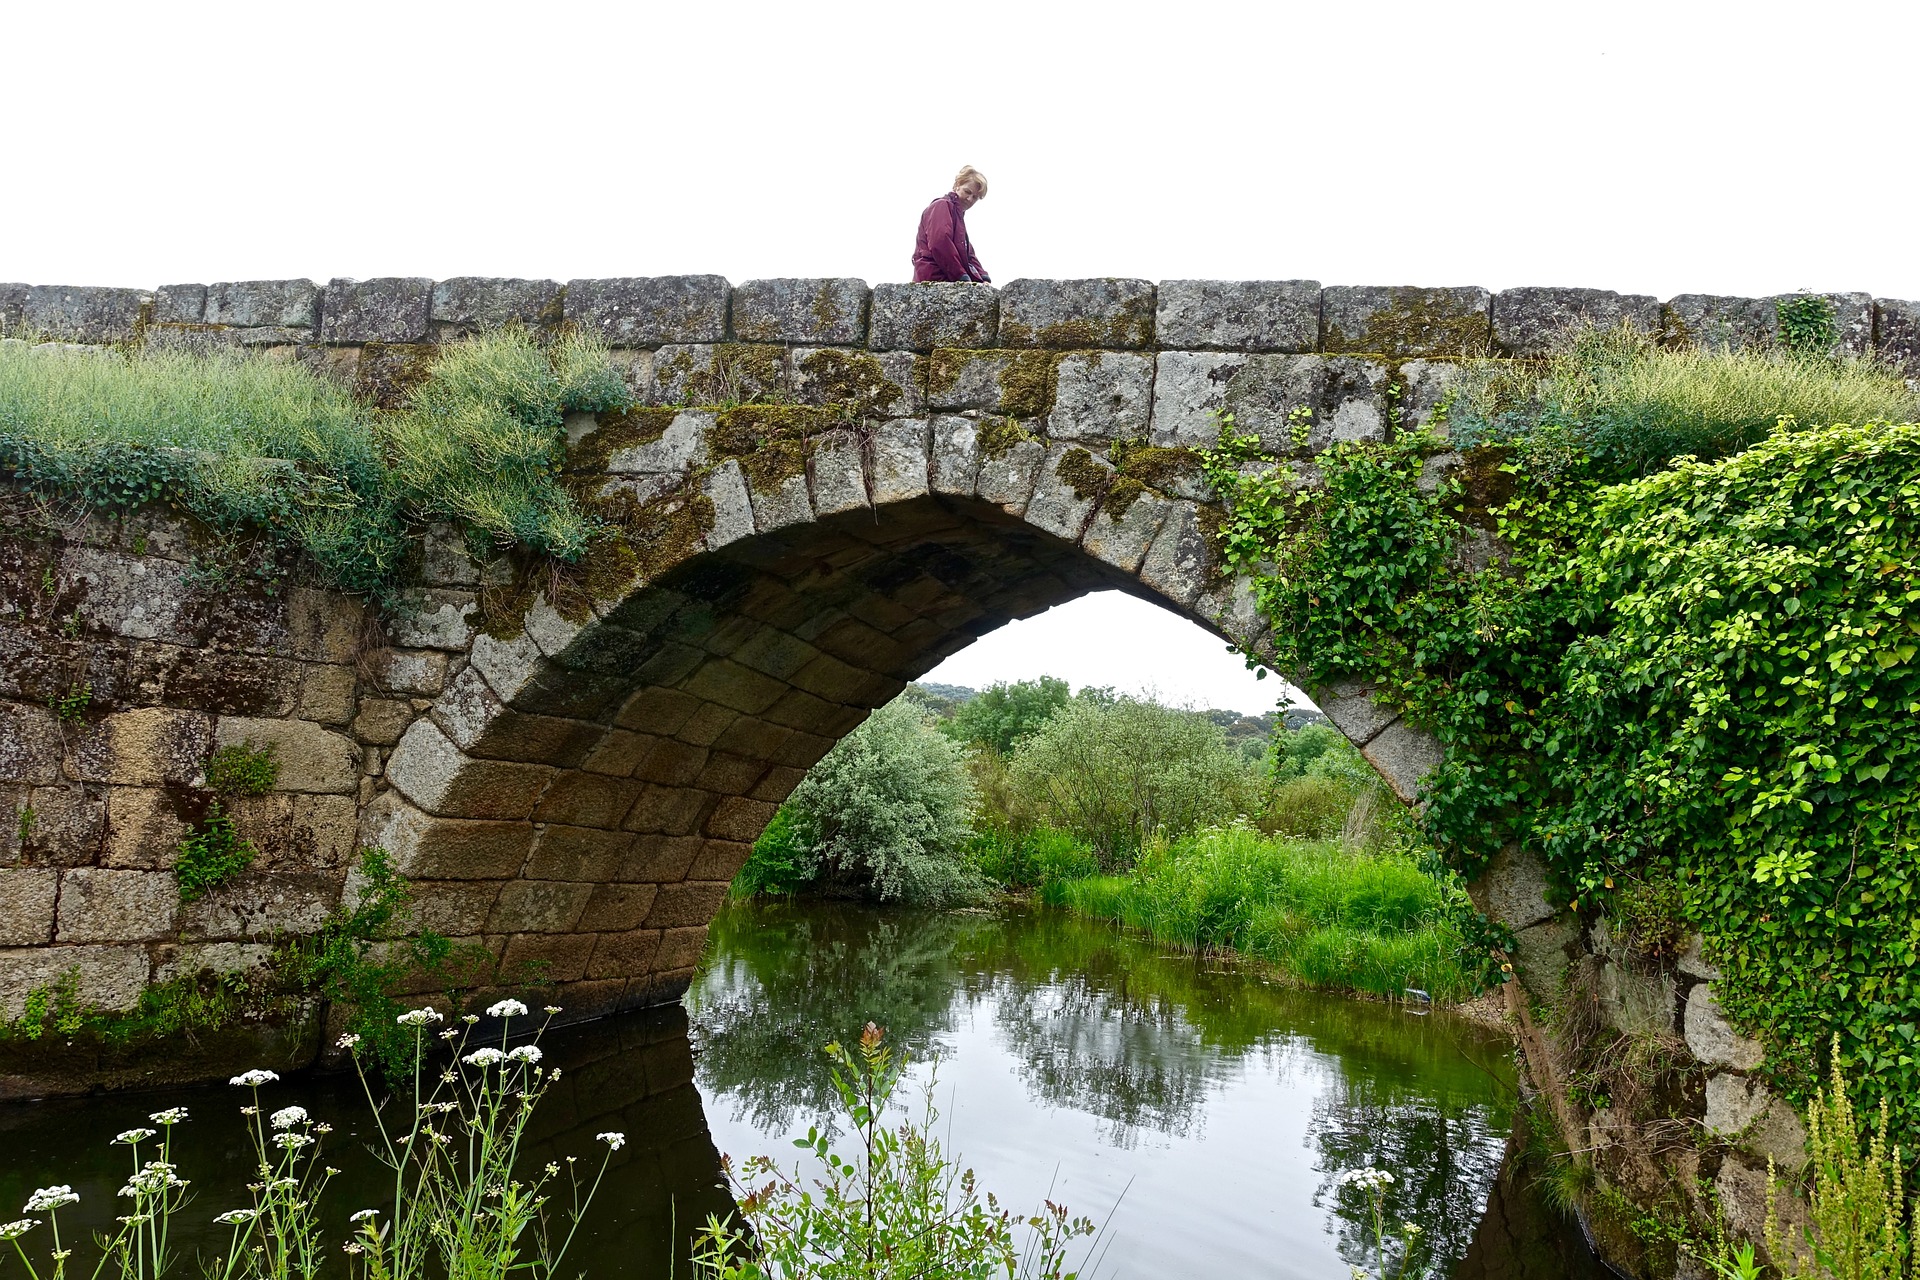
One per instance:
(1132, 327)
(826, 308)
(642, 424)
(1121, 495)
(1088, 479)
(850, 379)
(1484, 486)
(1157, 467)
(387, 373)
(1027, 379)
(998, 436)
(735, 373)
(1416, 322)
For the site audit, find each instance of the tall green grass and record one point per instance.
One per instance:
(247, 440)
(1329, 915)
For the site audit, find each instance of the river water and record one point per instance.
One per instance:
(1200, 1112)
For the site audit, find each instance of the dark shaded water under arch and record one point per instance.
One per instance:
(1215, 1109)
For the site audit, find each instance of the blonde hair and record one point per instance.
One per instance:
(969, 174)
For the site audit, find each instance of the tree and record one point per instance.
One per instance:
(1005, 714)
(1119, 771)
(890, 809)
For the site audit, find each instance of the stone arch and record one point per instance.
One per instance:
(579, 797)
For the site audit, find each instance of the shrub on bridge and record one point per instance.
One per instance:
(1706, 675)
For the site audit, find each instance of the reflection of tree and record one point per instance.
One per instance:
(782, 981)
(1443, 1147)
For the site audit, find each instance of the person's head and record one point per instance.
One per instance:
(970, 185)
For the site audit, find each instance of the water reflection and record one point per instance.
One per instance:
(1154, 1050)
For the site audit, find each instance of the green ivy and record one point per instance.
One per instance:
(243, 769)
(213, 855)
(1807, 324)
(1703, 679)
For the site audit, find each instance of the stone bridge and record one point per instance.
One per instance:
(570, 768)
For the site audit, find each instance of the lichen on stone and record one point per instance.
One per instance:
(852, 379)
(997, 436)
(1416, 322)
(641, 424)
(1153, 465)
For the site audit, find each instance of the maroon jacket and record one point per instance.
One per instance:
(942, 251)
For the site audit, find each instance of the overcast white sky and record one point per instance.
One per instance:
(1651, 147)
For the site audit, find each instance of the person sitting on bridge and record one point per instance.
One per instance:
(942, 251)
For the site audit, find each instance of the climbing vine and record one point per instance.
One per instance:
(1703, 677)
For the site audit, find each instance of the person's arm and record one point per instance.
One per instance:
(976, 272)
(941, 244)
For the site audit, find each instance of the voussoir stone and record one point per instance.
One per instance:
(1108, 313)
(1405, 321)
(1238, 315)
(430, 771)
(825, 311)
(1403, 754)
(1713, 1039)
(252, 304)
(929, 314)
(1513, 889)
(650, 311)
(900, 464)
(387, 309)
(1527, 321)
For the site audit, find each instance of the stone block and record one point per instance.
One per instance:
(322, 831)
(435, 775)
(1712, 1039)
(650, 311)
(1403, 755)
(1424, 385)
(668, 809)
(900, 464)
(82, 313)
(1853, 322)
(1070, 486)
(470, 304)
(583, 799)
(703, 373)
(188, 959)
(681, 949)
(1897, 333)
(100, 905)
(311, 759)
(1635, 1003)
(389, 309)
(421, 674)
(738, 818)
(1113, 314)
(1239, 315)
(1121, 537)
(954, 465)
(109, 978)
(866, 385)
(676, 451)
(1527, 321)
(381, 721)
(838, 475)
(147, 747)
(628, 953)
(1179, 561)
(478, 723)
(779, 502)
(1352, 710)
(433, 618)
(1693, 961)
(687, 905)
(31, 745)
(1189, 394)
(546, 957)
(261, 906)
(1344, 397)
(1010, 465)
(1744, 1111)
(133, 596)
(179, 303)
(453, 908)
(922, 316)
(720, 860)
(1399, 321)
(325, 693)
(1540, 956)
(1102, 396)
(27, 897)
(255, 304)
(830, 311)
(324, 626)
(538, 906)
(69, 826)
(1513, 889)
(1711, 320)
(1020, 383)
(614, 908)
(726, 488)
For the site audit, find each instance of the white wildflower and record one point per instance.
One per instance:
(1368, 1179)
(471, 1019)
(420, 1017)
(346, 1041)
(237, 1217)
(131, 1136)
(158, 1176)
(525, 1053)
(553, 1008)
(354, 1249)
(135, 1219)
(507, 1009)
(50, 1198)
(282, 1184)
(613, 1140)
(1410, 1228)
(483, 1057)
(449, 1034)
(287, 1117)
(291, 1141)
(324, 1128)
(172, 1115)
(14, 1230)
(255, 1078)
(249, 1111)
(363, 1215)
